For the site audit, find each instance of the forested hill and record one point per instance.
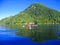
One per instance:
(34, 13)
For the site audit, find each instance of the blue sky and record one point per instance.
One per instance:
(12, 7)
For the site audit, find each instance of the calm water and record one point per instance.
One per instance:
(8, 37)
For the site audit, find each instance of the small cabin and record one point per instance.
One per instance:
(30, 25)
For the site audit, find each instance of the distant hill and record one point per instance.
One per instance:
(34, 13)
(38, 14)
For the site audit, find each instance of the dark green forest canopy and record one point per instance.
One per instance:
(38, 14)
(35, 12)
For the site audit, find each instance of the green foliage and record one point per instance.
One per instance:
(35, 13)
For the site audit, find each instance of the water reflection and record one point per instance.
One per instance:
(8, 37)
(6, 33)
(42, 33)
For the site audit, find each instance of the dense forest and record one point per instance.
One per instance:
(35, 13)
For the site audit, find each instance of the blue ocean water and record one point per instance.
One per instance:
(18, 40)
(8, 37)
